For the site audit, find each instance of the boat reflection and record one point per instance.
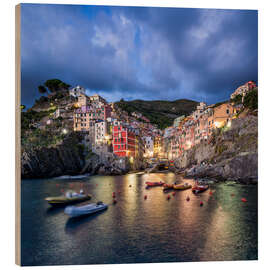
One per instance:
(75, 223)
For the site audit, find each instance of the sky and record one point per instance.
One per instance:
(144, 53)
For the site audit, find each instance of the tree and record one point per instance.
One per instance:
(22, 107)
(237, 99)
(251, 100)
(55, 85)
(42, 89)
(64, 86)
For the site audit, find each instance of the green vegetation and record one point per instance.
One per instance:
(237, 99)
(55, 85)
(159, 112)
(251, 100)
(42, 89)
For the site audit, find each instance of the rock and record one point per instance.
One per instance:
(233, 154)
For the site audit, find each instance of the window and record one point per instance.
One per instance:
(228, 111)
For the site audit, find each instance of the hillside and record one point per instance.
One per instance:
(159, 112)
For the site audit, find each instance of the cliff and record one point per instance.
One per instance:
(230, 154)
(69, 158)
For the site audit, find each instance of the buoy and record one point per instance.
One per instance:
(130, 186)
(168, 197)
(210, 193)
(173, 193)
(188, 198)
(145, 197)
(232, 194)
(114, 201)
(201, 203)
(244, 200)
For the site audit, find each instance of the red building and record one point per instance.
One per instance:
(124, 141)
(251, 85)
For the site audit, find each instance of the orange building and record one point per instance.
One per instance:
(220, 116)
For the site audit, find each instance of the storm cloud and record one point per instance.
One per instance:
(139, 52)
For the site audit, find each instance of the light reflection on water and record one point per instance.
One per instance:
(135, 229)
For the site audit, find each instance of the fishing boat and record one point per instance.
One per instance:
(182, 186)
(199, 188)
(167, 187)
(154, 184)
(88, 209)
(69, 198)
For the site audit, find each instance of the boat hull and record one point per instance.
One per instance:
(199, 189)
(62, 201)
(181, 187)
(85, 210)
(154, 184)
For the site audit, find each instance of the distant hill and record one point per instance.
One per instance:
(159, 112)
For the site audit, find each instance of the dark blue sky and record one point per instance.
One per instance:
(139, 53)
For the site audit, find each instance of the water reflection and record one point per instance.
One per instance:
(136, 229)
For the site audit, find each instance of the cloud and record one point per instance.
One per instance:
(133, 52)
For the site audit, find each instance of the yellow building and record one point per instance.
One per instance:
(220, 115)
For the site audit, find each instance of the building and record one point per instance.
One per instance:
(177, 120)
(97, 99)
(220, 116)
(199, 110)
(100, 132)
(83, 100)
(124, 141)
(77, 91)
(157, 146)
(83, 116)
(149, 146)
(243, 89)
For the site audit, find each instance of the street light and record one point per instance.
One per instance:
(64, 131)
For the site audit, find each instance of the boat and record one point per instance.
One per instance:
(167, 186)
(88, 209)
(182, 186)
(199, 188)
(69, 198)
(154, 184)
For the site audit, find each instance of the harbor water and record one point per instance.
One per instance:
(138, 229)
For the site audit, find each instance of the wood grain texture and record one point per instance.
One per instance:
(18, 134)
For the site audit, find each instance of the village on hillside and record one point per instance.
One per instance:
(108, 129)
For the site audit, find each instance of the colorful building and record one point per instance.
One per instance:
(124, 141)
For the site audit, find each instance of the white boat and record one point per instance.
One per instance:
(76, 211)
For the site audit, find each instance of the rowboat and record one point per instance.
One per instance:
(199, 188)
(154, 184)
(182, 186)
(76, 211)
(69, 198)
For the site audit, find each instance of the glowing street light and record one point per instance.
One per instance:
(64, 131)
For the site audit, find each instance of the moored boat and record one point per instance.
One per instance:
(88, 209)
(199, 188)
(154, 184)
(182, 186)
(69, 198)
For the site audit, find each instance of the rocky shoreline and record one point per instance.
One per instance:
(231, 154)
